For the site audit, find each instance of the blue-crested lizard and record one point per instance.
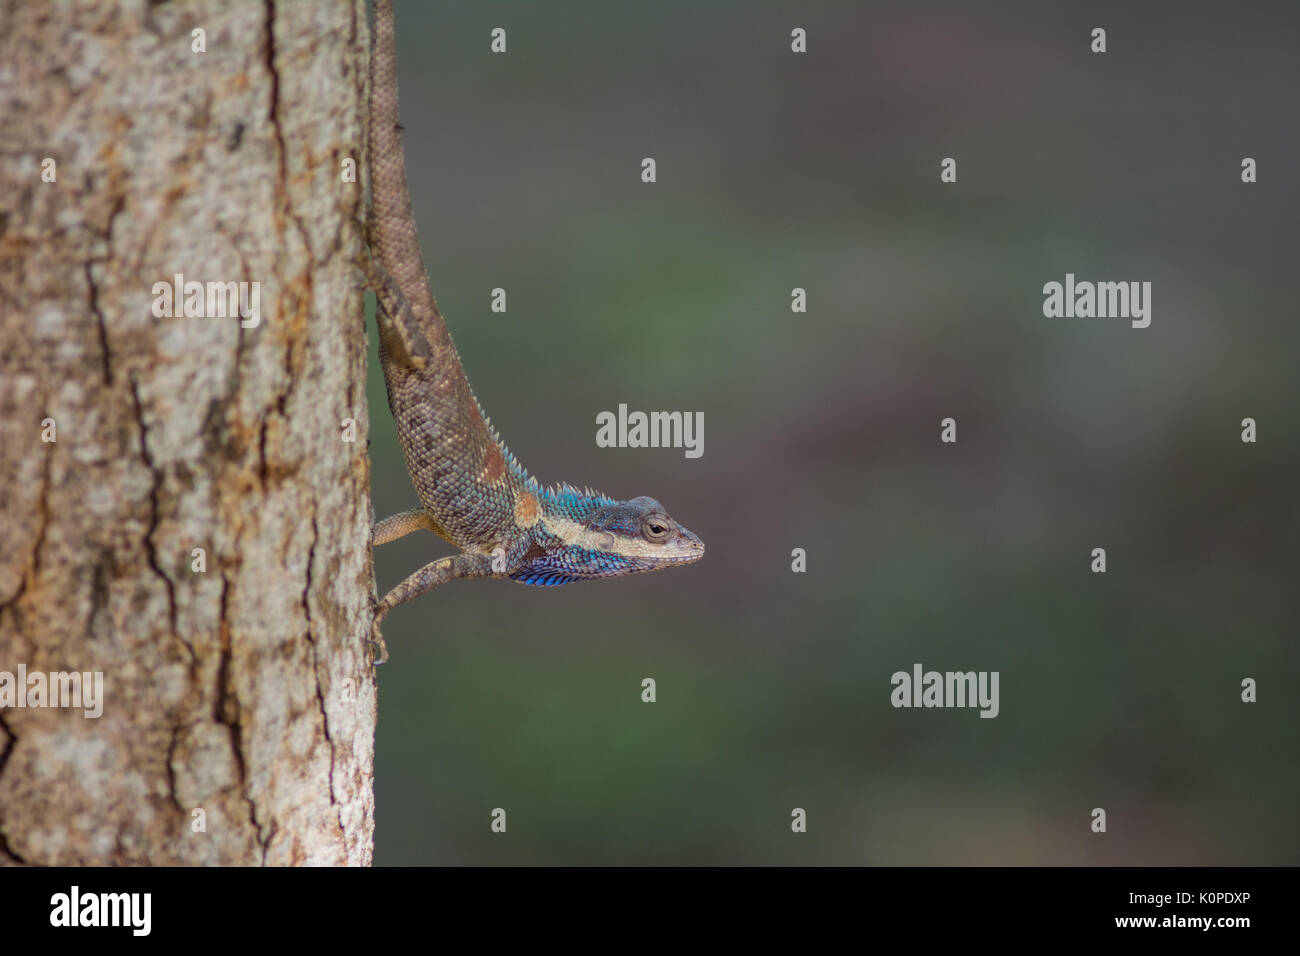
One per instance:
(472, 490)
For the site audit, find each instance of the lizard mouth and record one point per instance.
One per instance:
(686, 548)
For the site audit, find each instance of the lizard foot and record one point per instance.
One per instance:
(379, 653)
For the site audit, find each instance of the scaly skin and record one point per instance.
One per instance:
(472, 490)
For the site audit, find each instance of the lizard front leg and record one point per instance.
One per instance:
(400, 525)
(432, 575)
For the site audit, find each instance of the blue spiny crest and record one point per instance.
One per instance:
(566, 501)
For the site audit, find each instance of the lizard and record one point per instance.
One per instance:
(472, 490)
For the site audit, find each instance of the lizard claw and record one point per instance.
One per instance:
(376, 641)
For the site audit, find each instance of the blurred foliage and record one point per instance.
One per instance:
(775, 170)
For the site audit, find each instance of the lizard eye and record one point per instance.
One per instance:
(657, 528)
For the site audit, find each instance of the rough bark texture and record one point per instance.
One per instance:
(242, 690)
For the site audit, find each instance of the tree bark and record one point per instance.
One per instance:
(237, 692)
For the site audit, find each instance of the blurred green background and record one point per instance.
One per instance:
(778, 170)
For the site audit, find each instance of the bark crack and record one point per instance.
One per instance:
(151, 550)
(34, 563)
(315, 655)
(296, 344)
(281, 148)
(171, 769)
(6, 850)
(92, 294)
(226, 711)
(104, 568)
(44, 508)
(106, 355)
(263, 470)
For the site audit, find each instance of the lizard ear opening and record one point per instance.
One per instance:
(599, 519)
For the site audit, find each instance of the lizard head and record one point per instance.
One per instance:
(613, 539)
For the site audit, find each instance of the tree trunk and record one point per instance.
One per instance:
(238, 706)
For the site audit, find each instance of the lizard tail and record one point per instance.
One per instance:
(391, 226)
(465, 477)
